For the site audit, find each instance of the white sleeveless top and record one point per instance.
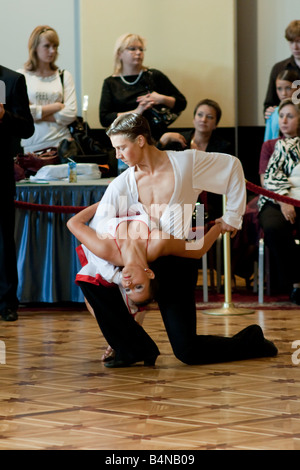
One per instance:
(98, 271)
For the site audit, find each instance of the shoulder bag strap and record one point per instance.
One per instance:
(61, 76)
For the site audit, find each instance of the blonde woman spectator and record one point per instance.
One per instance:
(135, 88)
(52, 103)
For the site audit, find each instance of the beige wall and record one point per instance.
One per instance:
(191, 41)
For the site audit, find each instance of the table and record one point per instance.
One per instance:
(46, 251)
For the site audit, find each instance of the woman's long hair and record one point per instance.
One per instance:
(51, 35)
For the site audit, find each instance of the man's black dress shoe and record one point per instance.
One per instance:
(254, 342)
(9, 315)
(295, 295)
(119, 362)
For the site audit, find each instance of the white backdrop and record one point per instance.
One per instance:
(20, 17)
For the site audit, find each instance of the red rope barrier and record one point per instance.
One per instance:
(75, 209)
(277, 197)
(44, 208)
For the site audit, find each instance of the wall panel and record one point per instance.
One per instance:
(192, 41)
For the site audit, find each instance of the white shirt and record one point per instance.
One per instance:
(99, 271)
(195, 171)
(49, 90)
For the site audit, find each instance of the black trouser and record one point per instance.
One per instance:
(8, 263)
(177, 280)
(279, 235)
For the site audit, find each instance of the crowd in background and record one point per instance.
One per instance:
(42, 120)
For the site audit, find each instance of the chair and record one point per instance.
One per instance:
(208, 259)
(264, 269)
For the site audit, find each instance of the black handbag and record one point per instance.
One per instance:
(163, 116)
(159, 117)
(79, 130)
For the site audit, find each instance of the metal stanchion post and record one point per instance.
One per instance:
(228, 307)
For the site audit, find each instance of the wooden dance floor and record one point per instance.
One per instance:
(56, 393)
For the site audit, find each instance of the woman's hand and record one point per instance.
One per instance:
(269, 111)
(168, 137)
(48, 111)
(288, 212)
(157, 99)
(144, 102)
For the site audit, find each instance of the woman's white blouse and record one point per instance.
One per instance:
(49, 90)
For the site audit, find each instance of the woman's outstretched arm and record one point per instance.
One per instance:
(103, 247)
(164, 245)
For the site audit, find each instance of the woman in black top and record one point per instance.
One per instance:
(135, 88)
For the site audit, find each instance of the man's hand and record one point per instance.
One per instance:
(2, 111)
(226, 227)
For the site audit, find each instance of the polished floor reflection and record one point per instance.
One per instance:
(56, 394)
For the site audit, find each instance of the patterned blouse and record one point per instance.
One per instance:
(285, 157)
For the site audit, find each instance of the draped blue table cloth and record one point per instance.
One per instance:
(46, 257)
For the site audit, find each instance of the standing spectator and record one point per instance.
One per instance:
(15, 122)
(136, 88)
(292, 34)
(284, 89)
(52, 100)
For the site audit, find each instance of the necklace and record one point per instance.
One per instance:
(197, 146)
(131, 83)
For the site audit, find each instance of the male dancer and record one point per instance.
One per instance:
(168, 185)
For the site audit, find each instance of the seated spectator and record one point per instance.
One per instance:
(244, 246)
(292, 34)
(284, 89)
(52, 103)
(288, 127)
(280, 221)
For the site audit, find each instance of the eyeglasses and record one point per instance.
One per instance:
(133, 49)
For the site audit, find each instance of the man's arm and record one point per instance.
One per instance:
(222, 174)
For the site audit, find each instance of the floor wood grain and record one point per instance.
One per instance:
(55, 392)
